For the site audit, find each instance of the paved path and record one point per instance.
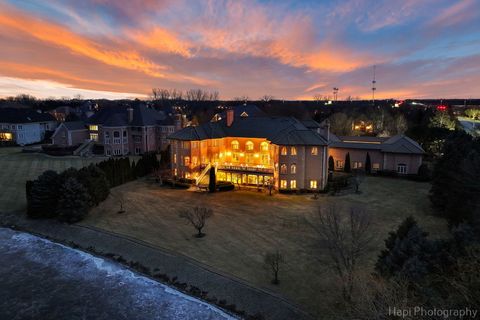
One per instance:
(252, 301)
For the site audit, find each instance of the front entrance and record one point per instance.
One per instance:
(253, 179)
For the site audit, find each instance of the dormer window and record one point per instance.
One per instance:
(244, 114)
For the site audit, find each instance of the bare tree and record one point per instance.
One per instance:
(273, 260)
(267, 98)
(317, 98)
(244, 98)
(197, 217)
(347, 237)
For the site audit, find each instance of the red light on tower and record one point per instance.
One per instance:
(442, 107)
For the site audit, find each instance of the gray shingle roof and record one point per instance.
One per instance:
(118, 117)
(13, 115)
(396, 144)
(75, 125)
(279, 130)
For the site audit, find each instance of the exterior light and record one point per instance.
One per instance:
(257, 155)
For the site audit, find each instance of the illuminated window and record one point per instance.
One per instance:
(264, 146)
(284, 151)
(283, 184)
(174, 158)
(194, 144)
(235, 145)
(249, 158)
(6, 136)
(186, 144)
(249, 145)
(314, 151)
(293, 184)
(235, 157)
(293, 151)
(376, 166)
(175, 172)
(357, 165)
(339, 164)
(187, 175)
(94, 136)
(187, 161)
(293, 168)
(265, 159)
(313, 184)
(283, 168)
(93, 128)
(402, 168)
(194, 161)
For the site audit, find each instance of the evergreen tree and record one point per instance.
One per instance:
(73, 203)
(96, 183)
(331, 164)
(368, 164)
(43, 196)
(405, 252)
(212, 183)
(347, 167)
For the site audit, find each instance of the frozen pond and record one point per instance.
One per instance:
(40, 279)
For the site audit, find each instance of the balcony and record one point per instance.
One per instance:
(245, 168)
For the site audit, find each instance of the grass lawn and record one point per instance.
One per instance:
(247, 224)
(17, 167)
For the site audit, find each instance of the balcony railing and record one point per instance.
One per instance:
(245, 168)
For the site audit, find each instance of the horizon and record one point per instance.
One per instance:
(293, 50)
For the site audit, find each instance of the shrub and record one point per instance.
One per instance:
(424, 173)
(43, 194)
(96, 183)
(225, 186)
(73, 203)
(347, 167)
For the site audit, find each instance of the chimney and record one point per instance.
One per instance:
(230, 117)
(130, 114)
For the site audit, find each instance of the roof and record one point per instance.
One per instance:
(244, 110)
(278, 130)
(396, 144)
(75, 125)
(14, 115)
(118, 117)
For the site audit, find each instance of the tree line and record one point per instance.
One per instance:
(69, 195)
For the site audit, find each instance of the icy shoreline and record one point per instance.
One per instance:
(59, 279)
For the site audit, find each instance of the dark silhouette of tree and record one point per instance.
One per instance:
(197, 217)
(368, 164)
(73, 203)
(212, 183)
(331, 164)
(347, 167)
(273, 260)
(43, 196)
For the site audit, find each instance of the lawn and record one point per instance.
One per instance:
(247, 224)
(17, 167)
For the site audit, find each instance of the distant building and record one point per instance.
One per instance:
(284, 151)
(121, 130)
(25, 126)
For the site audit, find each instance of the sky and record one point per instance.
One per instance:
(285, 49)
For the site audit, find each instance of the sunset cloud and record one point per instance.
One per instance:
(289, 50)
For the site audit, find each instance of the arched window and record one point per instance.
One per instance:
(283, 168)
(235, 145)
(249, 145)
(264, 146)
(293, 151)
(284, 151)
(293, 168)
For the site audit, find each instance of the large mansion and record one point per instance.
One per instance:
(256, 149)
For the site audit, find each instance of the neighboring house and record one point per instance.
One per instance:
(70, 134)
(126, 130)
(398, 153)
(82, 112)
(287, 152)
(25, 126)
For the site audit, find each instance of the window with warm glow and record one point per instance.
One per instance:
(293, 168)
(264, 146)
(265, 159)
(187, 161)
(339, 164)
(175, 172)
(293, 184)
(235, 157)
(194, 161)
(174, 158)
(313, 184)
(249, 145)
(284, 151)
(93, 127)
(235, 145)
(357, 164)
(293, 151)
(376, 166)
(283, 168)
(94, 136)
(314, 151)
(283, 184)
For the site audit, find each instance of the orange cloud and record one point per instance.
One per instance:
(161, 40)
(59, 36)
